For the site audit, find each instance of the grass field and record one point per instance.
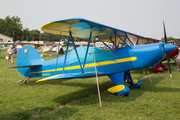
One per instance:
(77, 99)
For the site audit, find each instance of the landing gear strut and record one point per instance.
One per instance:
(24, 81)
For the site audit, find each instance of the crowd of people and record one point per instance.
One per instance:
(11, 52)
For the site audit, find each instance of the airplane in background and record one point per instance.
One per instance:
(44, 49)
(40, 47)
(160, 67)
(4, 47)
(93, 61)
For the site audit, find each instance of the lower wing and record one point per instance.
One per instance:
(68, 76)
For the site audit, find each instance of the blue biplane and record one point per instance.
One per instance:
(92, 61)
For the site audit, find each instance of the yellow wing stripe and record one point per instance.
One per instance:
(40, 81)
(92, 64)
(50, 77)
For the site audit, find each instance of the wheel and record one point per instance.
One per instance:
(138, 87)
(125, 95)
(130, 87)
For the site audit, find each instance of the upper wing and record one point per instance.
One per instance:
(81, 28)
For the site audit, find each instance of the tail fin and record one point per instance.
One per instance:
(28, 57)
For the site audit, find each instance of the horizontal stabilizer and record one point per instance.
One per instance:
(68, 76)
(24, 66)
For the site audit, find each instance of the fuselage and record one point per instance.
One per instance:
(107, 62)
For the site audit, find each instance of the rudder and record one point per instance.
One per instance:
(28, 56)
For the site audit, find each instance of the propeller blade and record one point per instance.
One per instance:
(165, 38)
(168, 57)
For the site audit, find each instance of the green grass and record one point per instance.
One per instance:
(78, 99)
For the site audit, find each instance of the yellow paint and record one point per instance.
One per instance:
(41, 81)
(126, 59)
(116, 88)
(46, 74)
(51, 77)
(118, 40)
(135, 81)
(127, 84)
(65, 28)
(43, 27)
(45, 79)
(93, 64)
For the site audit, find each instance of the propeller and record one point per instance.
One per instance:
(168, 57)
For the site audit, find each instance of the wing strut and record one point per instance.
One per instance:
(137, 42)
(111, 40)
(115, 41)
(96, 75)
(76, 51)
(129, 40)
(87, 48)
(58, 52)
(66, 54)
(103, 42)
(122, 40)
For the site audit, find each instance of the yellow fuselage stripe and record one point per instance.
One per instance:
(92, 64)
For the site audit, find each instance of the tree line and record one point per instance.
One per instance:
(172, 39)
(13, 27)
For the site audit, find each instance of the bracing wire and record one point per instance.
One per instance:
(90, 54)
(117, 63)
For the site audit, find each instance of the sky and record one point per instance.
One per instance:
(141, 17)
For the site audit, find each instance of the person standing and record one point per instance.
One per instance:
(10, 54)
(178, 61)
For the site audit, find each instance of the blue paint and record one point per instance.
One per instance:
(146, 55)
(124, 91)
(118, 78)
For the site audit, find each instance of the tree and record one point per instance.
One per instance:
(25, 34)
(170, 38)
(34, 35)
(2, 25)
(11, 26)
(51, 37)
